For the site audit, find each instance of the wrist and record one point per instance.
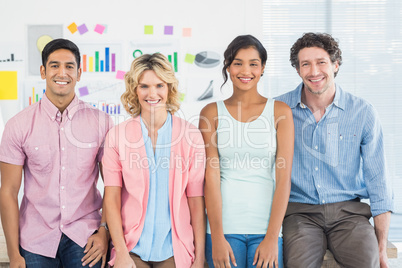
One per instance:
(104, 226)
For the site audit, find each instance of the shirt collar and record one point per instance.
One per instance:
(339, 99)
(52, 110)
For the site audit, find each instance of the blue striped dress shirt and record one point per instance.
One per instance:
(155, 242)
(341, 157)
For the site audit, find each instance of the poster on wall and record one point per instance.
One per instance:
(100, 59)
(38, 37)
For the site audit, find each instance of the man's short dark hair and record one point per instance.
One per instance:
(57, 44)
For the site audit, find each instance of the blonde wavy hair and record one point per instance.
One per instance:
(158, 63)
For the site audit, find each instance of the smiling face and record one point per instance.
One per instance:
(246, 69)
(317, 70)
(152, 93)
(61, 74)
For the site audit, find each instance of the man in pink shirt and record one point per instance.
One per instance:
(58, 143)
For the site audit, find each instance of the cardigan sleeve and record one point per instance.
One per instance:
(112, 169)
(196, 164)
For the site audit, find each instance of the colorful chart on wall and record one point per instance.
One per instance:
(100, 59)
(38, 37)
(170, 48)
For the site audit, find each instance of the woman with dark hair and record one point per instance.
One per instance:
(153, 169)
(249, 145)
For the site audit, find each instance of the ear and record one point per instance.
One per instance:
(79, 74)
(42, 72)
(336, 66)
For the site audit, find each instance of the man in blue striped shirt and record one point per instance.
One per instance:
(338, 160)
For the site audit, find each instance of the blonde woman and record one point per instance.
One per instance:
(154, 174)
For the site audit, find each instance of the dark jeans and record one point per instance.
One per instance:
(343, 228)
(69, 255)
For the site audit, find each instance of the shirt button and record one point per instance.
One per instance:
(36, 148)
(318, 186)
(323, 201)
(62, 129)
(89, 145)
(63, 168)
(340, 137)
(63, 207)
(316, 147)
(61, 226)
(62, 148)
(62, 187)
(316, 168)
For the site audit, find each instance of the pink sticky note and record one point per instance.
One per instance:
(82, 29)
(168, 30)
(99, 28)
(186, 32)
(120, 75)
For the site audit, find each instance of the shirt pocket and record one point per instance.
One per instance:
(87, 155)
(39, 158)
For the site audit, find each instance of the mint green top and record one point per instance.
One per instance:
(247, 166)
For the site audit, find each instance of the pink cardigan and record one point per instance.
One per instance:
(125, 165)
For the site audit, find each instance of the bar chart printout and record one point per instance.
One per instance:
(99, 61)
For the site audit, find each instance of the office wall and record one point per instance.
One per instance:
(213, 25)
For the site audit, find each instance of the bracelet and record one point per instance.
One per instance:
(104, 224)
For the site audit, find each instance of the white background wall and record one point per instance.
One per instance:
(214, 24)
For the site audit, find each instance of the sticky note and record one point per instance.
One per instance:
(83, 91)
(72, 27)
(120, 75)
(148, 29)
(8, 85)
(189, 58)
(168, 30)
(186, 32)
(99, 28)
(82, 29)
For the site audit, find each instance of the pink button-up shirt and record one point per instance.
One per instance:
(60, 155)
(125, 165)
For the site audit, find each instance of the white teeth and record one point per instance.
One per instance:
(316, 80)
(153, 102)
(61, 83)
(245, 79)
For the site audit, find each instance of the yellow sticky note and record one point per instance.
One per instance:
(72, 27)
(148, 29)
(189, 58)
(8, 85)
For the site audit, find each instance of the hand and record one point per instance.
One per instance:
(383, 259)
(198, 263)
(96, 248)
(222, 253)
(17, 262)
(123, 260)
(266, 253)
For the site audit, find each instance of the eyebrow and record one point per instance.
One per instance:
(249, 60)
(58, 62)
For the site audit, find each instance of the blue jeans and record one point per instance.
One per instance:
(69, 254)
(244, 247)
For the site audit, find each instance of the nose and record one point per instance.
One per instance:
(152, 91)
(314, 69)
(62, 71)
(245, 69)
